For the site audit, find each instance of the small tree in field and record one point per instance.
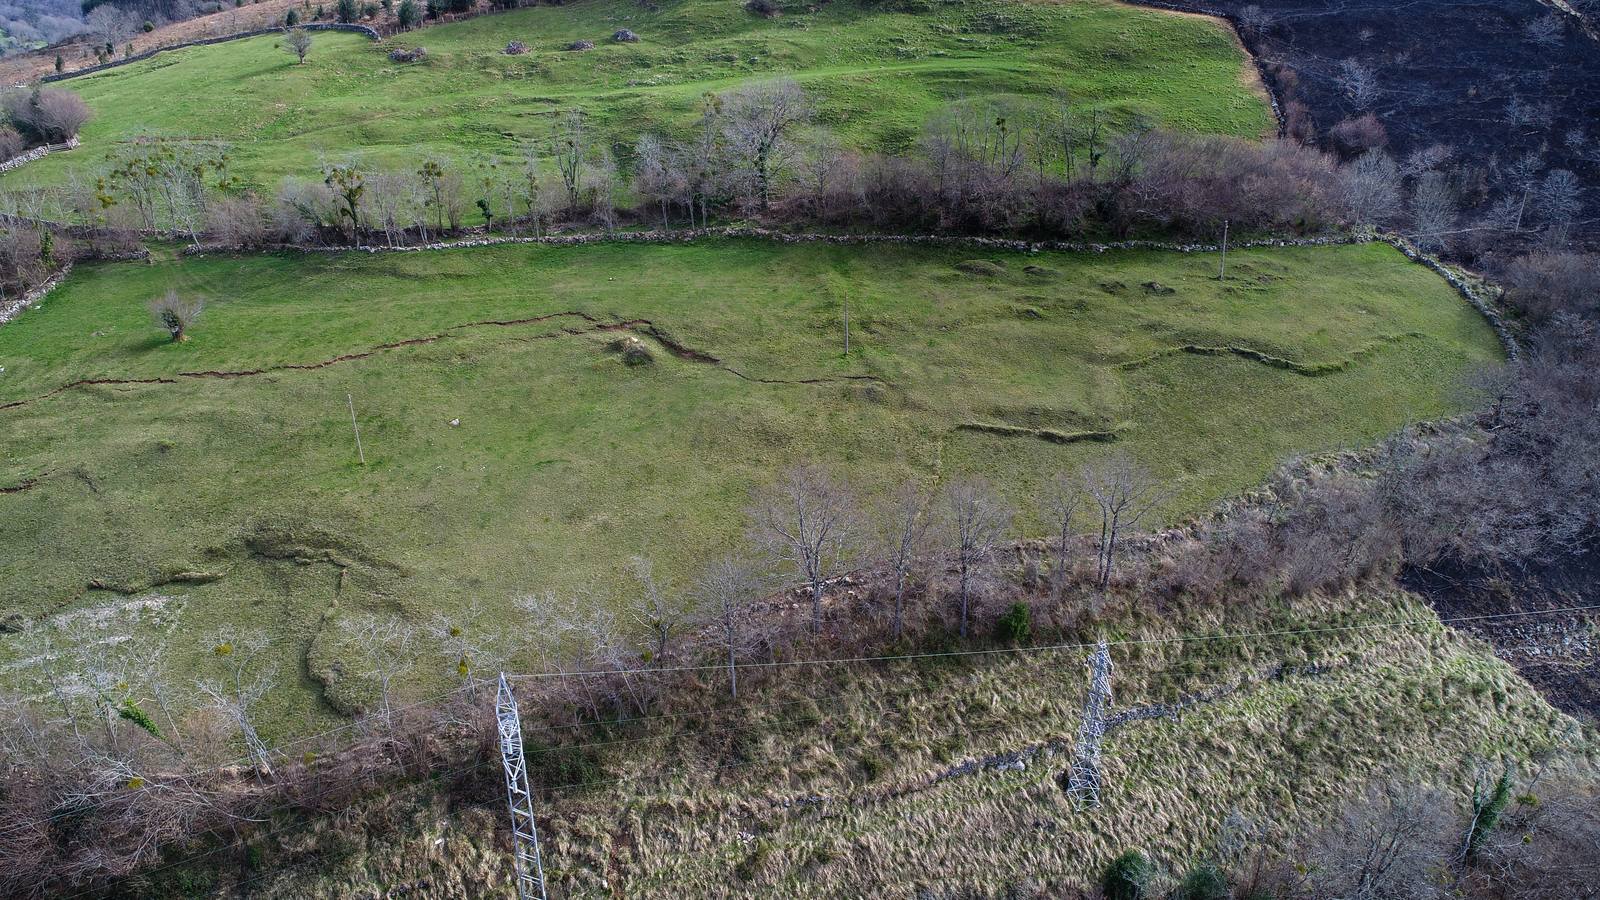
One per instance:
(176, 314)
(299, 43)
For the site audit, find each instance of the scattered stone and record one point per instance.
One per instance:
(516, 48)
(1041, 272)
(581, 45)
(1028, 312)
(624, 36)
(402, 55)
(454, 423)
(1156, 287)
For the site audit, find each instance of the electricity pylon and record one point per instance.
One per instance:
(1083, 776)
(524, 830)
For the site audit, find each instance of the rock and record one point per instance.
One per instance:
(1156, 287)
(516, 48)
(454, 422)
(624, 36)
(581, 45)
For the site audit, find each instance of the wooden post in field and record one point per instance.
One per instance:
(847, 325)
(356, 428)
(1222, 268)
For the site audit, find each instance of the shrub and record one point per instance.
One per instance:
(49, 115)
(1127, 878)
(1016, 625)
(11, 142)
(176, 314)
(1203, 881)
(1355, 136)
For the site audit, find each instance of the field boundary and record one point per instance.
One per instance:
(1479, 294)
(371, 33)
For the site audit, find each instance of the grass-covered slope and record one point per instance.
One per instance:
(876, 73)
(229, 459)
(850, 781)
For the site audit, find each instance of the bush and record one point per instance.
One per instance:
(11, 142)
(1203, 881)
(346, 11)
(1127, 878)
(767, 8)
(291, 19)
(408, 15)
(176, 314)
(48, 115)
(1016, 625)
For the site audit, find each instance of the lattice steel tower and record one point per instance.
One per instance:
(524, 831)
(1083, 777)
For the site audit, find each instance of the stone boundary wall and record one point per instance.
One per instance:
(1479, 294)
(37, 153)
(10, 309)
(203, 42)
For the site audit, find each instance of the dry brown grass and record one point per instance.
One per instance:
(708, 807)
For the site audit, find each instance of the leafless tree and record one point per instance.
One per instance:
(654, 609)
(903, 523)
(1123, 493)
(1559, 197)
(1372, 188)
(237, 221)
(1063, 498)
(385, 646)
(1434, 210)
(176, 313)
(1389, 843)
(977, 521)
(805, 521)
(724, 593)
(244, 679)
(1359, 83)
(759, 120)
(298, 42)
(571, 151)
(1545, 32)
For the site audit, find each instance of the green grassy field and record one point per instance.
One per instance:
(566, 461)
(877, 76)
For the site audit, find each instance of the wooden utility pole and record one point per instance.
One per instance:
(356, 428)
(1222, 268)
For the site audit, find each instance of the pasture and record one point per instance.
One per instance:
(510, 448)
(876, 73)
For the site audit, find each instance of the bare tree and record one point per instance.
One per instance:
(1062, 500)
(1434, 210)
(571, 151)
(977, 521)
(724, 593)
(1559, 197)
(298, 42)
(760, 117)
(385, 645)
(176, 313)
(1359, 83)
(243, 681)
(1386, 844)
(903, 524)
(806, 521)
(1123, 492)
(1371, 188)
(651, 607)
(1545, 32)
